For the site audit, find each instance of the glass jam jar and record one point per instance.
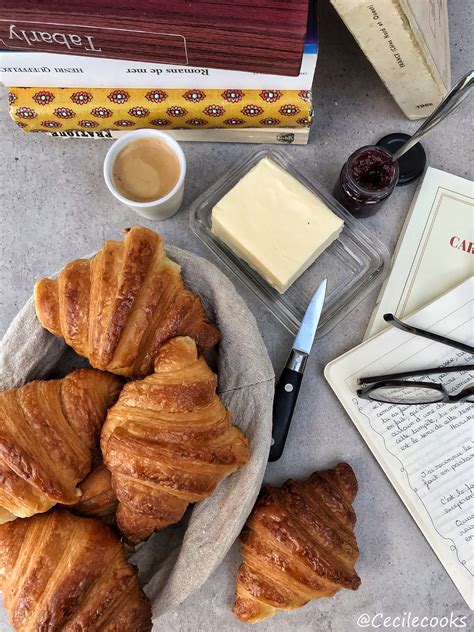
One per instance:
(361, 188)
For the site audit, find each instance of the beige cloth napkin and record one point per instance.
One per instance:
(175, 563)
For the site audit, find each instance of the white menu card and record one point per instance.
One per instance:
(427, 452)
(435, 248)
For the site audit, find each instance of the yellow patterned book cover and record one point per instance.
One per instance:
(61, 109)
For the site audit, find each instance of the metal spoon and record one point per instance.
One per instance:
(450, 102)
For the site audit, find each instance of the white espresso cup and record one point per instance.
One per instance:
(163, 207)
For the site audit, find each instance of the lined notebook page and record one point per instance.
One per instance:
(427, 451)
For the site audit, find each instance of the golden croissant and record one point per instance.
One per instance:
(169, 441)
(48, 433)
(119, 307)
(298, 544)
(98, 499)
(59, 572)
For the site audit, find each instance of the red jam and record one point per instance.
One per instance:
(366, 171)
(362, 187)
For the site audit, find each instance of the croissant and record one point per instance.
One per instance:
(48, 433)
(98, 499)
(59, 572)
(298, 544)
(119, 307)
(169, 441)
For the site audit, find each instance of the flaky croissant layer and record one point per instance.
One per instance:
(119, 307)
(61, 573)
(169, 441)
(298, 544)
(98, 499)
(48, 433)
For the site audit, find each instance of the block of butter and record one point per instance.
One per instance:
(274, 223)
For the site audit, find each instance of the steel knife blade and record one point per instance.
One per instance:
(288, 385)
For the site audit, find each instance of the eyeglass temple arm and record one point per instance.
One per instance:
(390, 318)
(370, 379)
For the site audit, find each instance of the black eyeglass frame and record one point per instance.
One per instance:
(399, 324)
(373, 383)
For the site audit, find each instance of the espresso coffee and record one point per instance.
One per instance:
(145, 170)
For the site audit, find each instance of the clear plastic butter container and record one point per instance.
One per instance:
(354, 264)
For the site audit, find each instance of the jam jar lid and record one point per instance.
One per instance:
(412, 164)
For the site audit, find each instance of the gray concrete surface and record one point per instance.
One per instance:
(55, 206)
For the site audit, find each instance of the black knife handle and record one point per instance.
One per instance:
(286, 394)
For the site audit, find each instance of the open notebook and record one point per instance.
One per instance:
(427, 451)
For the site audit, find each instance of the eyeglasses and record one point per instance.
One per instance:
(394, 389)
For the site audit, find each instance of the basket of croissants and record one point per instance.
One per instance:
(124, 482)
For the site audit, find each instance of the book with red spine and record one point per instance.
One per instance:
(264, 37)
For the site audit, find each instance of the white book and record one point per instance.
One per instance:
(49, 70)
(407, 42)
(275, 136)
(427, 452)
(435, 248)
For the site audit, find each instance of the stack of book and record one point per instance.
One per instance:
(201, 70)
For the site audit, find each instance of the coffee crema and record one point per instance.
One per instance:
(145, 170)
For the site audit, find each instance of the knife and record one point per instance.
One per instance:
(288, 386)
